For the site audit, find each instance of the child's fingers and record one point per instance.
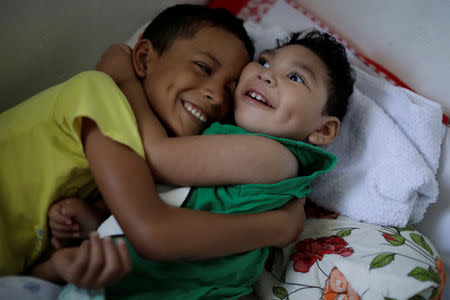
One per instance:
(117, 262)
(71, 207)
(96, 260)
(127, 49)
(57, 216)
(112, 269)
(78, 267)
(62, 235)
(124, 254)
(63, 227)
(64, 232)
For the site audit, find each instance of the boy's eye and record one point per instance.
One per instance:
(296, 78)
(205, 68)
(263, 62)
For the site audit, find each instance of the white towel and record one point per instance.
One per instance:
(388, 152)
(388, 146)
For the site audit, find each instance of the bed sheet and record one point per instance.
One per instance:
(25, 288)
(437, 218)
(339, 232)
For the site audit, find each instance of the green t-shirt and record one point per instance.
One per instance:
(232, 276)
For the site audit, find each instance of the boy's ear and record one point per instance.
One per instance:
(327, 133)
(143, 53)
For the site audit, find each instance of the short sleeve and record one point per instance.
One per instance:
(95, 95)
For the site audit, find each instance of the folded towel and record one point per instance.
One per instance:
(388, 149)
(388, 146)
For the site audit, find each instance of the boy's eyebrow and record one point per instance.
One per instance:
(267, 52)
(217, 62)
(212, 57)
(296, 64)
(307, 70)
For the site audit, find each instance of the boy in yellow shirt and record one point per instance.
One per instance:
(82, 135)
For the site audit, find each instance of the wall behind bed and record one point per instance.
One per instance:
(408, 37)
(46, 42)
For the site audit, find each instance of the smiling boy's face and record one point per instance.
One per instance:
(283, 93)
(192, 83)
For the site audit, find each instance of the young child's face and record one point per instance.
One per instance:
(192, 83)
(282, 93)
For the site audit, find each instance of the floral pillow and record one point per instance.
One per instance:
(338, 258)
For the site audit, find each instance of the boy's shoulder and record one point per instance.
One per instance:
(90, 90)
(93, 77)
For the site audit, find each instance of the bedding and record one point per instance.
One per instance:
(336, 256)
(25, 288)
(388, 161)
(382, 142)
(339, 258)
(417, 119)
(267, 20)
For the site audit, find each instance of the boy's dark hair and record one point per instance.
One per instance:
(185, 20)
(340, 74)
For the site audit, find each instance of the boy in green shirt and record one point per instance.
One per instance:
(291, 96)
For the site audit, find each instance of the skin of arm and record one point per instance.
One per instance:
(196, 160)
(128, 186)
(161, 232)
(208, 159)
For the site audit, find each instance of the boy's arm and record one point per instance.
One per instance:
(161, 232)
(116, 62)
(208, 159)
(198, 160)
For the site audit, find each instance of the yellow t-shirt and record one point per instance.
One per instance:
(42, 158)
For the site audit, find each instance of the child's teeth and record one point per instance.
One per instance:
(195, 113)
(255, 96)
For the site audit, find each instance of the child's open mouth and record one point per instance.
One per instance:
(259, 98)
(196, 112)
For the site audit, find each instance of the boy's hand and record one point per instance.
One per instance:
(95, 264)
(72, 218)
(116, 62)
(295, 221)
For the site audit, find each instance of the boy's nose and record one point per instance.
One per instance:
(214, 95)
(267, 78)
